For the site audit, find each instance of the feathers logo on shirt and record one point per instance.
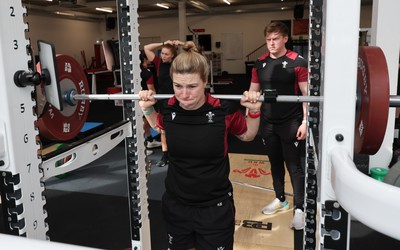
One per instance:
(170, 239)
(264, 64)
(210, 116)
(173, 115)
(284, 63)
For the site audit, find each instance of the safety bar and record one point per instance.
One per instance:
(17, 242)
(374, 203)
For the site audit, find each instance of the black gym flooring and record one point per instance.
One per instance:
(89, 206)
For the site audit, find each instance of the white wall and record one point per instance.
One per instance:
(251, 26)
(69, 36)
(72, 36)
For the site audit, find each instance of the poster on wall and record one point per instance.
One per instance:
(232, 46)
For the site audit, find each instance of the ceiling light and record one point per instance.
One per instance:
(64, 13)
(162, 5)
(227, 2)
(104, 9)
(200, 5)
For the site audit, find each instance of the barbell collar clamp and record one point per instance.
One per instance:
(26, 78)
(270, 96)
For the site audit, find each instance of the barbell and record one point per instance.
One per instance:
(372, 101)
(263, 98)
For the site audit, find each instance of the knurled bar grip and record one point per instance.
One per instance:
(280, 98)
(394, 100)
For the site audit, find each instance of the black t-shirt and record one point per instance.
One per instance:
(165, 85)
(282, 75)
(145, 74)
(198, 172)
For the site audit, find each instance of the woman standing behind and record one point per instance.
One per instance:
(163, 65)
(198, 204)
(147, 83)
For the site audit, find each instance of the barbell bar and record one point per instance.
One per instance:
(394, 100)
(135, 97)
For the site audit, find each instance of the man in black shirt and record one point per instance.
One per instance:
(283, 125)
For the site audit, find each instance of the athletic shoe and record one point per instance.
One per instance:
(163, 162)
(275, 206)
(298, 221)
(149, 152)
(153, 144)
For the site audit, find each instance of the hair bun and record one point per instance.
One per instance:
(190, 46)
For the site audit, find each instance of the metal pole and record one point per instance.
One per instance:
(135, 97)
(394, 99)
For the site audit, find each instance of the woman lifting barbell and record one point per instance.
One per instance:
(196, 127)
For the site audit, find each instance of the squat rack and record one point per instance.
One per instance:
(342, 190)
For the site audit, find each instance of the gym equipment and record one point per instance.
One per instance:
(135, 97)
(63, 125)
(372, 106)
(50, 71)
(378, 173)
(341, 188)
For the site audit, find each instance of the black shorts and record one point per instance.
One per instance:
(203, 228)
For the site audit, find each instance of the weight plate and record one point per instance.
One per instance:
(66, 124)
(373, 98)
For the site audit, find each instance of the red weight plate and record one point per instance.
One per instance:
(372, 100)
(65, 125)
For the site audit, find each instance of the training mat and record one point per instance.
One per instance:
(252, 190)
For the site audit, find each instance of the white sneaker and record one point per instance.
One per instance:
(298, 221)
(149, 152)
(163, 161)
(153, 144)
(275, 206)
